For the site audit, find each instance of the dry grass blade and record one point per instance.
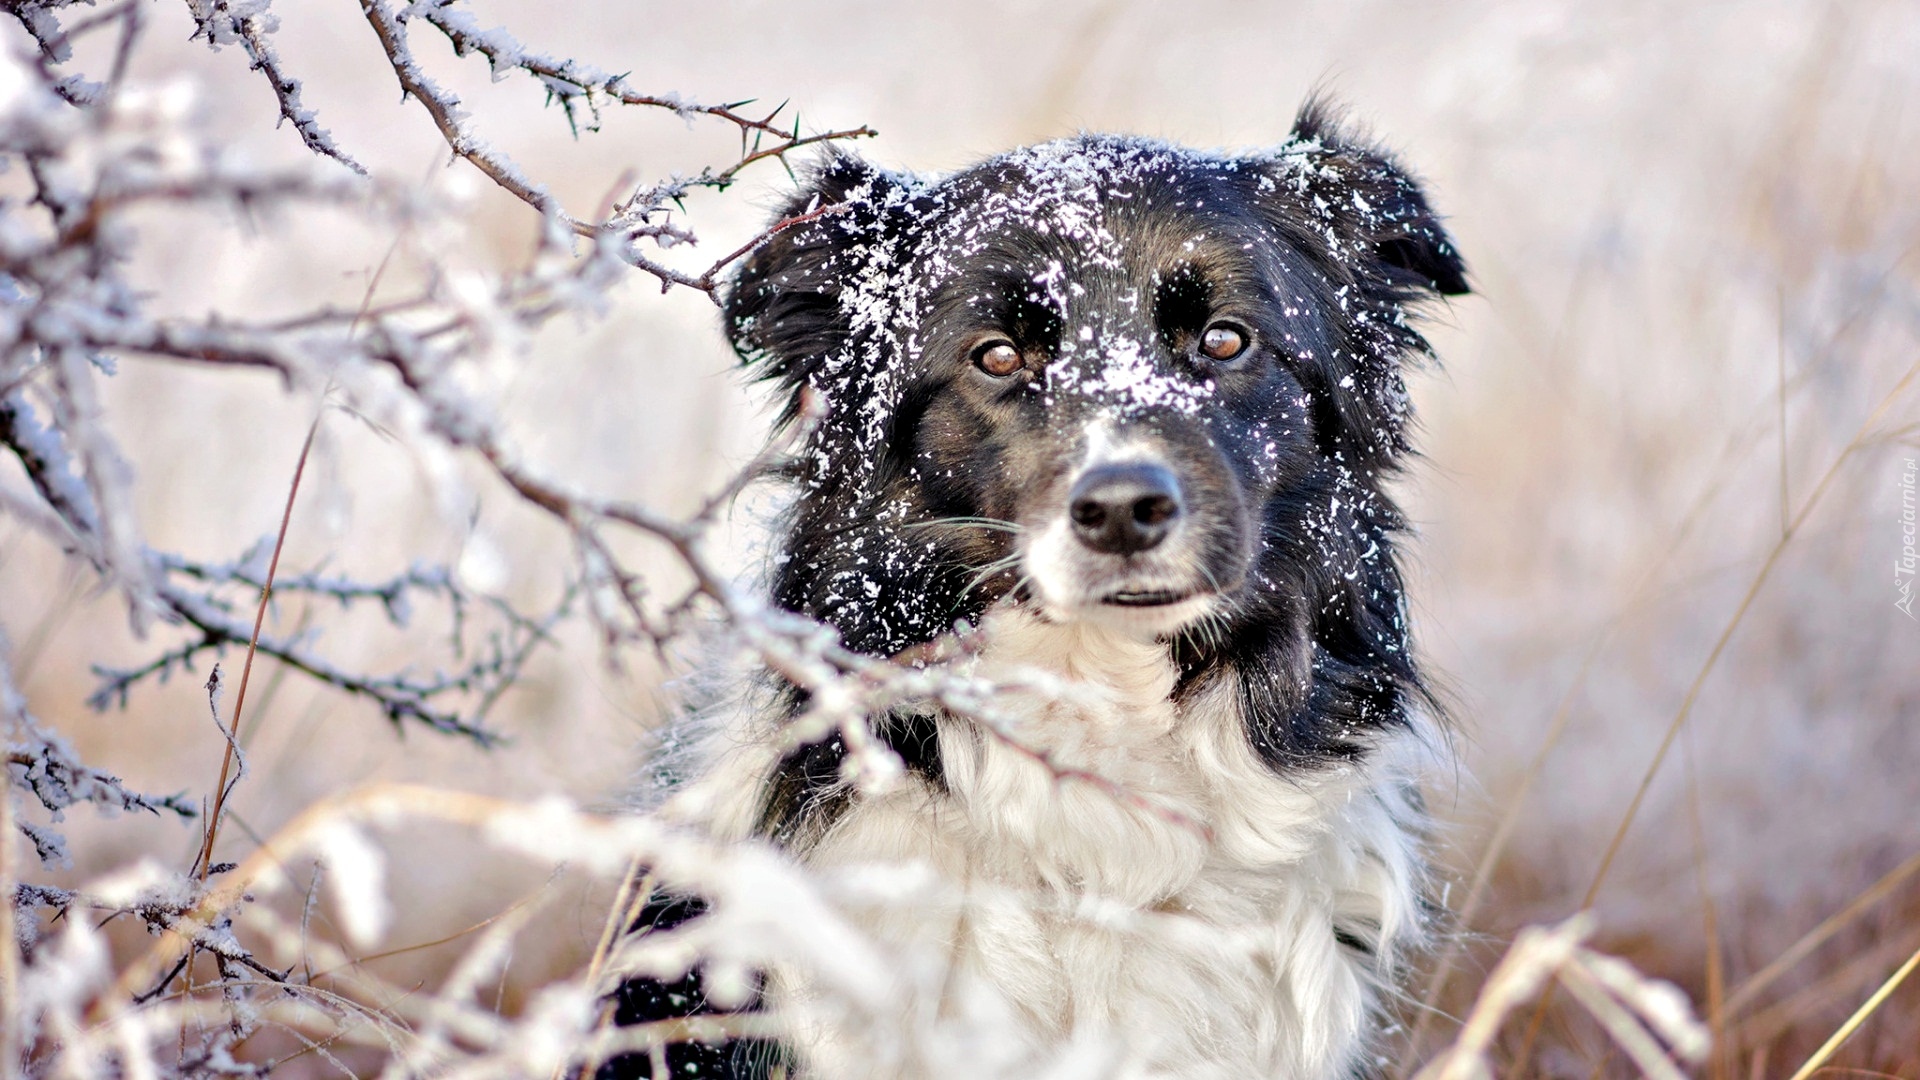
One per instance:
(1536, 953)
(628, 902)
(1630, 1007)
(1710, 917)
(1859, 1017)
(1758, 982)
(205, 860)
(417, 946)
(1620, 1025)
(1818, 996)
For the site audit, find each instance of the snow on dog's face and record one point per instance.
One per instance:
(1123, 381)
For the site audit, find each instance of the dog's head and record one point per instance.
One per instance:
(1123, 381)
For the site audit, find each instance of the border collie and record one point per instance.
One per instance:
(1123, 412)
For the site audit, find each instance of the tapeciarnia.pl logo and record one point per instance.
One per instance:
(1904, 566)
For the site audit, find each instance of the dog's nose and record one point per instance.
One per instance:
(1123, 509)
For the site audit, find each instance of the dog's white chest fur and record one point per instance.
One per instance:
(1120, 872)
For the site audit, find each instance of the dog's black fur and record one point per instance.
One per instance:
(881, 306)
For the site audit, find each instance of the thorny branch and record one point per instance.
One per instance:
(218, 23)
(91, 155)
(644, 215)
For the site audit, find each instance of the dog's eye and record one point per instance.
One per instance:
(997, 358)
(1223, 341)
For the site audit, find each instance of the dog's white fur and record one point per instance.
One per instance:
(1182, 906)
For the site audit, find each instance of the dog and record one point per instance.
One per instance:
(1117, 416)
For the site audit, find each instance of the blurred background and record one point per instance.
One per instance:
(1663, 451)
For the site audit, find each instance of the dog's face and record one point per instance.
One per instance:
(1111, 370)
(1109, 376)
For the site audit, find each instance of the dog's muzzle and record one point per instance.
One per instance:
(1125, 509)
(1122, 548)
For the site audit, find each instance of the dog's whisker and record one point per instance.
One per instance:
(1213, 583)
(968, 522)
(1211, 631)
(986, 572)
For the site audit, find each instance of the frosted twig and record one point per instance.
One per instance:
(567, 79)
(394, 594)
(43, 763)
(444, 107)
(55, 44)
(217, 23)
(403, 696)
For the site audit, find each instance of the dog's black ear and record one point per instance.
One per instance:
(783, 308)
(1383, 228)
(1372, 250)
